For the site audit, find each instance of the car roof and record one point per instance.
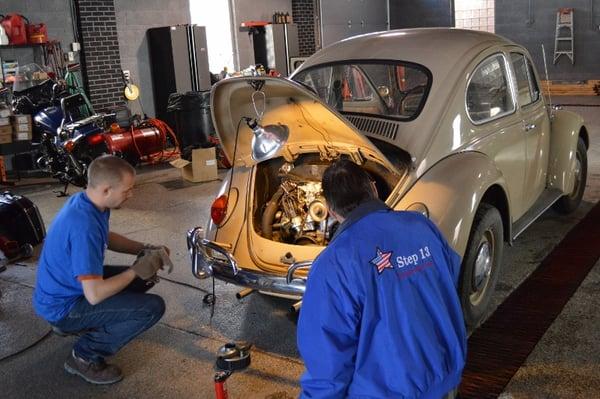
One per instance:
(430, 47)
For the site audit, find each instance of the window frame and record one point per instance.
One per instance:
(532, 79)
(511, 89)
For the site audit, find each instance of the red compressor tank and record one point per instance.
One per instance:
(15, 26)
(138, 142)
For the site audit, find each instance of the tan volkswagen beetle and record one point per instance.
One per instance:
(450, 123)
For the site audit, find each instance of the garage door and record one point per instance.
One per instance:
(344, 18)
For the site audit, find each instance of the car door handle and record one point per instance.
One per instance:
(529, 126)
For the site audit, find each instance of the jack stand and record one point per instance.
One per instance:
(230, 357)
(62, 193)
(220, 387)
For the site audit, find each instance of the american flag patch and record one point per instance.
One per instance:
(382, 260)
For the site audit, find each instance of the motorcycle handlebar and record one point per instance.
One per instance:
(85, 121)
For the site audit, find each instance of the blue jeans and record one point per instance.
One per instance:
(115, 321)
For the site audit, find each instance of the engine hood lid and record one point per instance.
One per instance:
(310, 122)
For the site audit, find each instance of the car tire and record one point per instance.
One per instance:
(570, 202)
(479, 272)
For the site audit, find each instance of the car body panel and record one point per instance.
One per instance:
(566, 127)
(536, 129)
(456, 196)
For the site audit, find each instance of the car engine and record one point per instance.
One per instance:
(297, 212)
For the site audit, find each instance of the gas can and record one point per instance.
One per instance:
(37, 33)
(15, 27)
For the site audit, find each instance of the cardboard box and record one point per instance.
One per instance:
(5, 112)
(6, 134)
(21, 119)
(20, 136)
(203, 166)
(5, 121)
(21, 128)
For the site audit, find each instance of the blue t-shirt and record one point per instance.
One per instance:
(73, 250)
(381, 317)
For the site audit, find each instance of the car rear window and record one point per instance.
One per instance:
(390, 89)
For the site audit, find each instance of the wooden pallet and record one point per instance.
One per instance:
(583, 88)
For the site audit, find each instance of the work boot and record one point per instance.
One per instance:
(95, 373)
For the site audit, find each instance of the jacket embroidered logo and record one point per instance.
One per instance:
(382, 260)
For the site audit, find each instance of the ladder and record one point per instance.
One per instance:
(563, 45)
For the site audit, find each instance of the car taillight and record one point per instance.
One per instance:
(95, 139)
(218, 210)
(69, 145)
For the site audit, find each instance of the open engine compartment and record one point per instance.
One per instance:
(289, 205)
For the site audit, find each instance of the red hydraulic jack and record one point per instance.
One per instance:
(230, 357)
(220, 387)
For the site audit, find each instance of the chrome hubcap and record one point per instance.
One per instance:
(483, 267)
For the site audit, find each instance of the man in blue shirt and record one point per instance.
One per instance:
(76, 293)
(380, 317)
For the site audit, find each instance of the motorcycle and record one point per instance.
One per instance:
(69, 144)
(67, 135)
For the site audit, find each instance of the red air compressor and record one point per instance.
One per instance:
(15, 26)
(144, 142)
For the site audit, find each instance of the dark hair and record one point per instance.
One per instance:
(108, 169)
(345, 186)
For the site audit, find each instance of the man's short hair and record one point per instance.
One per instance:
(108, 169)
(345, 186)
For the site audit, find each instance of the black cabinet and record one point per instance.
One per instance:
(178, 62)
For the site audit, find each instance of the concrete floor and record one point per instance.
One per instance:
(175, 358)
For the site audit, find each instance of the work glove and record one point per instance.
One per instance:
(153, 246)
(149, 261)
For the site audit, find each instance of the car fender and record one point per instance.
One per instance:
(564, 136)
(452, 190)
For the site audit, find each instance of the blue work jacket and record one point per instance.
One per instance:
(381, 317)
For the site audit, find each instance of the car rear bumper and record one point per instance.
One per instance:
(210, 258)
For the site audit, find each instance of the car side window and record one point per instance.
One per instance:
(519, 64)
(488, 92)
(533, 83)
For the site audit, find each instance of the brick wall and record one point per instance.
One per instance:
(303, 14)
(100, 52)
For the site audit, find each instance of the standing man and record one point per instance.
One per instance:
(380, 317)
(75, 292)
